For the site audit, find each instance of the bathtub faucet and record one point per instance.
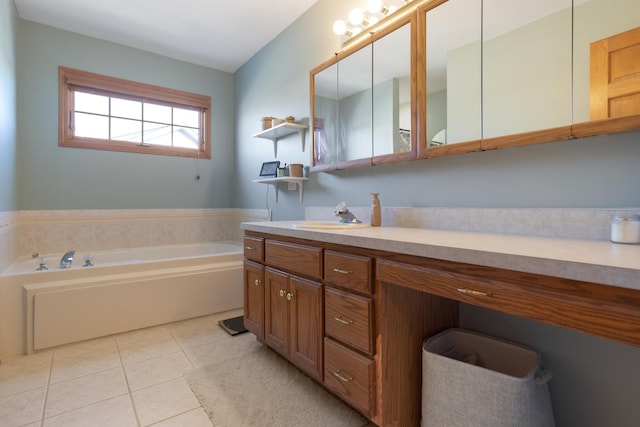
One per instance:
(67, 259)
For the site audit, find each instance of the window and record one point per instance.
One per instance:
(107, 113)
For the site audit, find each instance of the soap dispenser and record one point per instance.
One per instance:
(375, 210)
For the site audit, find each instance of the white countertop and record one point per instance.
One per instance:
(586, 260)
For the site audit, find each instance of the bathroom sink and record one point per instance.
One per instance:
(329, 225)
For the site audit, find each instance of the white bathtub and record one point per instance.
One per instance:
(126, 289)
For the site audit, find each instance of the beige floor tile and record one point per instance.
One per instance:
(157, 370)
(109, 413)
(142, 334)
(79, 392)
(195, 418)
(22, 408)
(88, 384)
(85, 348)
(25, 373)
(164, 401)
(150, 348)
(84, 364)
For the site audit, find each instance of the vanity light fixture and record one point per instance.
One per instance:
(359, 19)
(340, 28)
(356, 17)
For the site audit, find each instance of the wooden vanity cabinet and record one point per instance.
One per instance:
(325, 310)
(349, 319)
(253, 278)
(253, 285)
(293, 319)
(361, 315)
(349, 348)
(283, 300)
(350, 375)
(254, 248)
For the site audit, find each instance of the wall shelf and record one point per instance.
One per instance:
(297, 181)
(280, 131)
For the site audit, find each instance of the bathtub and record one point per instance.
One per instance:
(124, 290)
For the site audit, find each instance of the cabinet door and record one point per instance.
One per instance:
(254, 298)
(276, 334)
(306, 309)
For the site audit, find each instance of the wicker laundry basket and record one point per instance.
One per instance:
(470, 379)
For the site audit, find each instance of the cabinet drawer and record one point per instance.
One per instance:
(350, 375)
(254, 248)
(293, 257)
(349, 319)
(349, 271)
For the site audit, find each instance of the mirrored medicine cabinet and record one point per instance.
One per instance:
(446, 77)
(362, 102)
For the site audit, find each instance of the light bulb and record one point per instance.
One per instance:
(356, 17)
(340, 27)
(373, 20)
(374, 6)
(355, 31)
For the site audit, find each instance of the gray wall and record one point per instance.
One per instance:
(589, 172)
(596, 380)
(67, 178)
(8, 115)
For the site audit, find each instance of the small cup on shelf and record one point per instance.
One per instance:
(266, 122)
(295, 170)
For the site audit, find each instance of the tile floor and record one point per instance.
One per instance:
(131, 379)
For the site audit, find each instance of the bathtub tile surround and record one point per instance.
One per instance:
(142, 383)
(567, 223)
(8, 238)
(57, 231)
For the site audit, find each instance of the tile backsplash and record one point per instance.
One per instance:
(566, 223)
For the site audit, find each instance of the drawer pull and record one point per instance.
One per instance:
(289, 296)
(341, 271)
(281, 293)
(249, 248)
(343, 321)
(342, 377)
(257, 282)
(473, 293)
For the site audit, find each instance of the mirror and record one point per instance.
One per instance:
(493, 74)
(342, 111)
(355, 97)
(599, 23)
(526, 66)
(392, 127)
(453, 73)
(362, 101)
(325, 116)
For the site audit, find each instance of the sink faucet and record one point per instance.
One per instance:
(345, 214)
(67, 259)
